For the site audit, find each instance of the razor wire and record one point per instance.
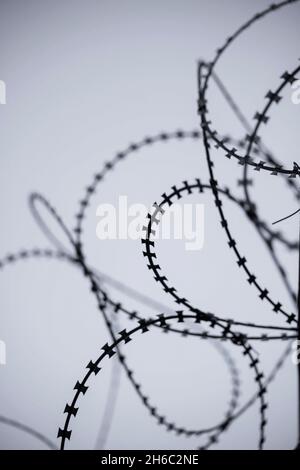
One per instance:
(185, 319)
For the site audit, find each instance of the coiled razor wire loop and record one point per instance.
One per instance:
(158, 209)
(226, 328)
(272, 97)
(126, 336)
